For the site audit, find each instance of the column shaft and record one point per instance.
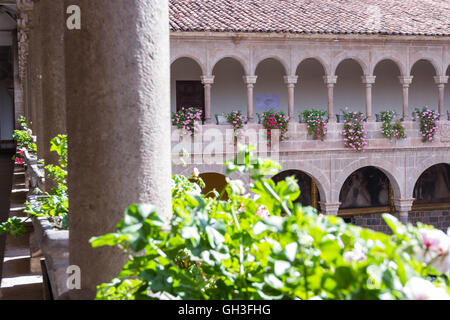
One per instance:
(118, 123)
(330, 81)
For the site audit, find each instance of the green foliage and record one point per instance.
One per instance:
(390, 130)
(260, 246)
(24, 136)
(54, 205)
(13, 226)
(237, 120)
(317, 126)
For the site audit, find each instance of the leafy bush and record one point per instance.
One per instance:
(428, 123)
(275, 120)
(354, 132)
(390, 130)
(317, 126)
(265, 246)
(187, 120)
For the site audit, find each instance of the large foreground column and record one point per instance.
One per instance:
(118, 123)
(53, 76)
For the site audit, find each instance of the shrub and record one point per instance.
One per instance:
(428, 123)
(267, 247)
(275, 120)
(354, 132)
(317, 126)
(390, 130)
(187, 120)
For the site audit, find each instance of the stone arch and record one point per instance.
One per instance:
(314, 173)
(388, 168)
(344, 56)
(414, 175)
(196, 60)
(320, 60)
(241, 61)
(401, 66)
(283, 63)
(429, 59)
(387, 91)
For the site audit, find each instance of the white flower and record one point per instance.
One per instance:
(357, 254)
(421, 289)
(237, 186)
(262, 212)
(195, 172)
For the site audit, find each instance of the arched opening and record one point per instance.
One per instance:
(433, 187)
(213, 181)
(228, 92)
(309, 193)
(432, 197)
(310, 91)
(186, 88)
(349, 90)
(387, 91)
(368, 187)
(270, 91)
(423, 90)
(366, 194)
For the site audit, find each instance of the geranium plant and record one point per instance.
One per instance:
(25, 141)
(275, 120)
(268, 247)
(237, 120)
(391, 130)
(317, 126)
(428, 123)
(354, 130)
(187, 120)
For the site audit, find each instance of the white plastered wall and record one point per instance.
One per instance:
(423, 90)
(387, 90)
(310, 91)
(182, 69)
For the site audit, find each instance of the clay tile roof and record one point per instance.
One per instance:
(391, 17)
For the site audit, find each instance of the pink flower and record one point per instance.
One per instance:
(19, 160)
(262, 212)
(22, 152)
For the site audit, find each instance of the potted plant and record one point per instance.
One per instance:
(275, 120)
(221, 119)
(391, 130)
(237, 120)
(354, 132)
(428, 123)
(317, 125)
(187, 120)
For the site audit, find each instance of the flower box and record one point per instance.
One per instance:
(55, 249)
(340, 118)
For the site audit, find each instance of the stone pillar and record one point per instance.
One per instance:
(405, 82)
(19, 109)
(53, 73)
(291, 81)
(207, 81)
(368, 81)
(118, 124)
(403, 207)
(35, 64)
(329, 208)
(330, 81)
(441, 81)
(250, 82)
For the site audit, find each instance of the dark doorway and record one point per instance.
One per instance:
(191, 94)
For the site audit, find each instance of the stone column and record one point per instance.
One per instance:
(405, 82)
(368, 81)
(18, 84)
(53, 73)
(441, 81)
(250, 82)
(118, 124)
(330, 81)
(35, 64)
(329, 208)
(207, 81)
(403, 207)
(291, 81)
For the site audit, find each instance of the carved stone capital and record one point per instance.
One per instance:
(330, 80)
(440, 80)
(368, 80)
(290, 80)
(403, 205)
(207, 79)
(250, 79)
(405, 80)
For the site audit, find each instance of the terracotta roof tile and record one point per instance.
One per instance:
(402, 17)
